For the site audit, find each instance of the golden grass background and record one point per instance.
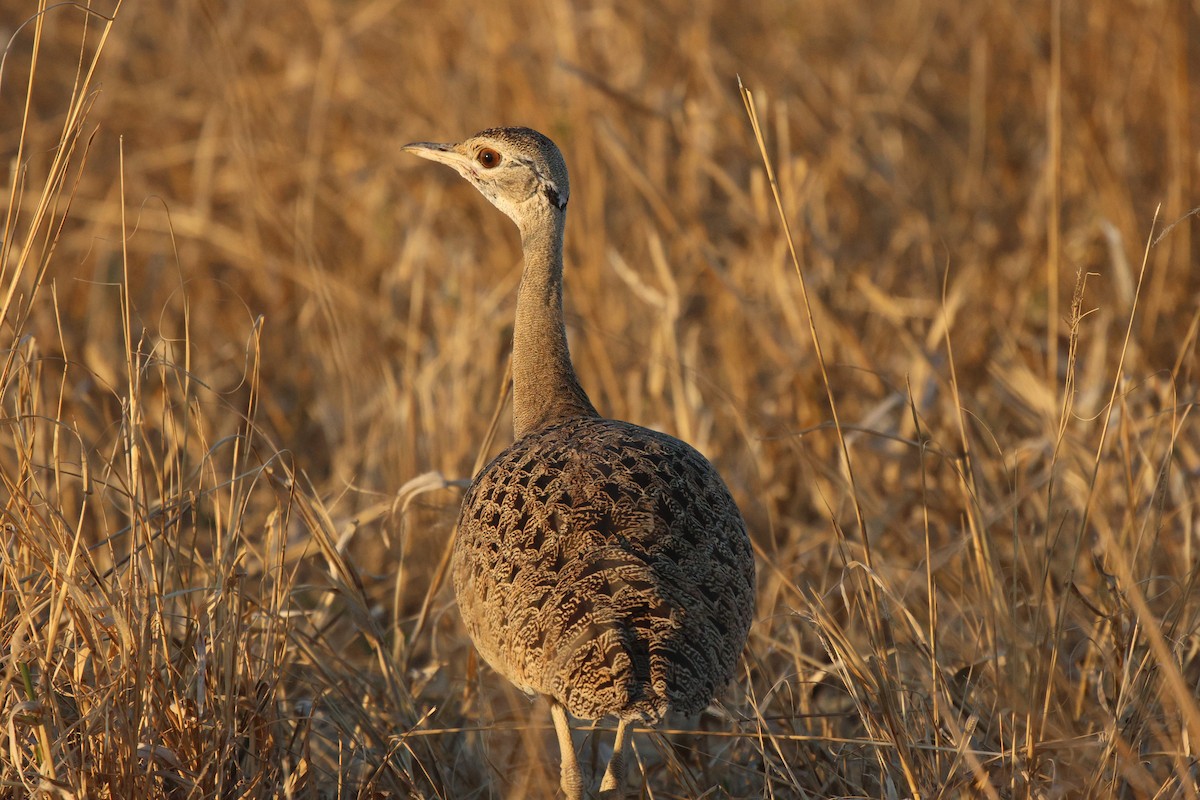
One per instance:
(239, 325)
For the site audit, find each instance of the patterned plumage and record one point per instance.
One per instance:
(605, 565)
(598, 563)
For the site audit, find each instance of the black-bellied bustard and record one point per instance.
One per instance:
(599, 563)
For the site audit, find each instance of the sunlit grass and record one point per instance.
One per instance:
(251, 355)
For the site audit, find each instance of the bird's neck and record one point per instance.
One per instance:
(545, 389)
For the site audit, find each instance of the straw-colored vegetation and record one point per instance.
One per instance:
(239, 326)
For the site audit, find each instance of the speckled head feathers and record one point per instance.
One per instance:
(519, 170)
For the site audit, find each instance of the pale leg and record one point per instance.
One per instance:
(571, 781)
(614, 776)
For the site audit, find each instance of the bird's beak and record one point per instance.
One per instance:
(435, 151)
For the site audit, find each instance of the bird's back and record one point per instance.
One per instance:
(607, 566)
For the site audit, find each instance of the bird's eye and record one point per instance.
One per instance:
(488, 158)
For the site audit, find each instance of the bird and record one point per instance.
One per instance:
(601, 564)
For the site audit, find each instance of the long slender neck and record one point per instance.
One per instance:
(545, 389)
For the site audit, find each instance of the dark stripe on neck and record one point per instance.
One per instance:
(553, 196)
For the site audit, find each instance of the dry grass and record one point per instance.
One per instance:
(237, 320)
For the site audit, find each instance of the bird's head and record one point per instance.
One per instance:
(519, 170)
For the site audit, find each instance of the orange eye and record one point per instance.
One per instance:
(488, 158)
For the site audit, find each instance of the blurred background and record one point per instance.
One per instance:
(240, 320)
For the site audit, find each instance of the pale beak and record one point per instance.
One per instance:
(435, 151)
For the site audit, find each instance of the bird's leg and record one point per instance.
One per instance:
(570, 781)
(614, 776)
